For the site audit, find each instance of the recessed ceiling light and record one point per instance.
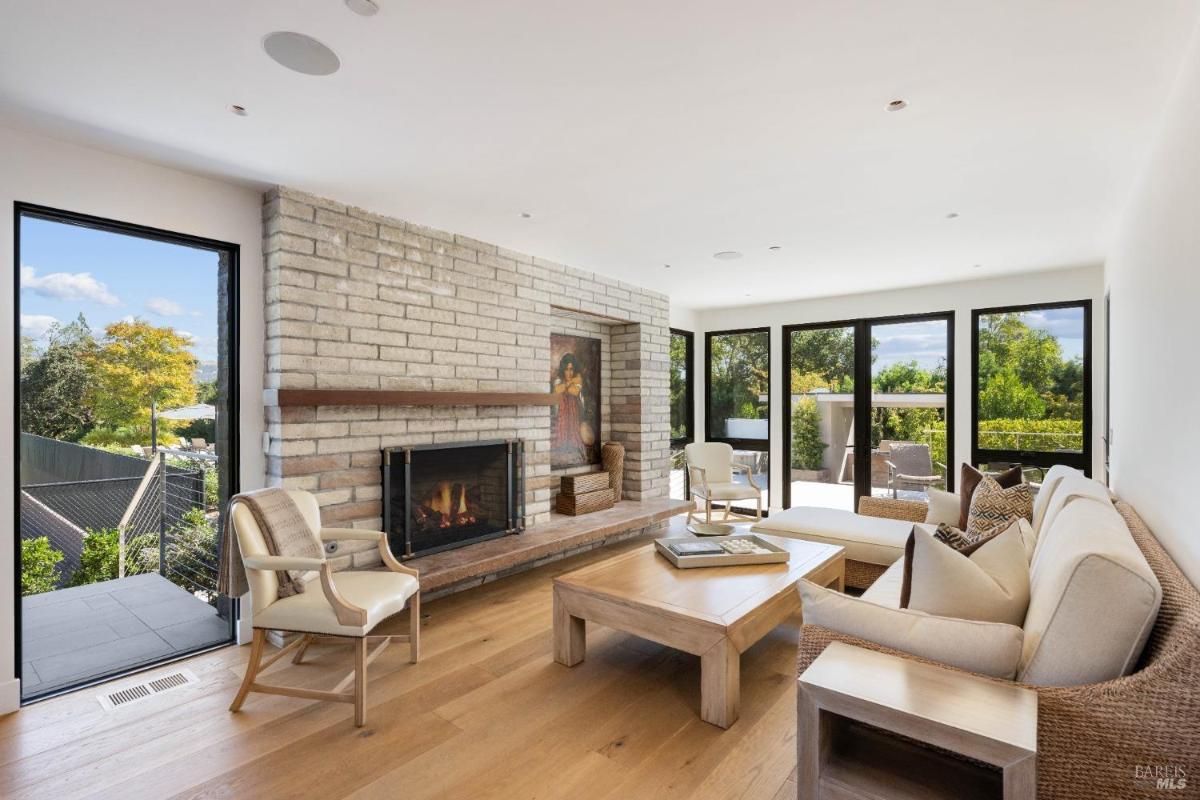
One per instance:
(775, 248)
(364, 8)
(239, 110)
(976, 266)
(301, 53)
(525, 215)
(727, 255)
(666, 266)
(897, 105)
(952, 215)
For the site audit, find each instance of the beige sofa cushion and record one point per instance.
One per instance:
(990, 585)
(1049, 485)
(1069, 489)
(885, 591)
(943, 507)
(989, 648)
(1092, 597)
(873, 540)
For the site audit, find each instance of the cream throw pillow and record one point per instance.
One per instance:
(988, 648)
(944, 508)
(990, 585)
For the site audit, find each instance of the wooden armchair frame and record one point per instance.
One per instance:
(347, 614)
(693, 471)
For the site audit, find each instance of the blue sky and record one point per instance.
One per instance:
(67, 270)
(925, 342)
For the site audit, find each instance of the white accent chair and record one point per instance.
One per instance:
(710, 473)
(345, 605)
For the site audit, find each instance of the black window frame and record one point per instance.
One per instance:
(689, 390)
(1040, 458)
(230, 377)
(754, 445)
(863, 392)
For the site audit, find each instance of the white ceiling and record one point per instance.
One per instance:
(643, 133)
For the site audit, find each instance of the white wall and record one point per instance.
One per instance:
(1153, 274)
(38, 170)
(1042, 287)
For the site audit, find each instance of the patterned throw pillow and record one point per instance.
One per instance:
(958, 540)
(994, 509)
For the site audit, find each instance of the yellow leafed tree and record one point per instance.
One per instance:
(140, 367)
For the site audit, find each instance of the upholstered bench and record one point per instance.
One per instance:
(873, 542)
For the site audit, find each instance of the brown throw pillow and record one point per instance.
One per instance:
(994, 509)
(969, 478)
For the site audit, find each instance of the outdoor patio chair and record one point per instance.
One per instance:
(183, 444)
(911, 466)
(346, 605)
(199, 444)
(710, 470)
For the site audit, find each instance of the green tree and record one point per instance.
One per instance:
(55, 386)
(740, 378)
(206, 391)
(1007, 396)
(909, 378)
(140, 367)
(39, 566)
(808, 449)
(678, 394)
(825, 352)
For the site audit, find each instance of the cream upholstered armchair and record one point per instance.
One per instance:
(710, 474)
(347, 605)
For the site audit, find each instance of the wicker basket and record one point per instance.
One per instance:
(585, 482)
(612, 456)
(585, 503)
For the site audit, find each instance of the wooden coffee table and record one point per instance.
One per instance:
(716, 613)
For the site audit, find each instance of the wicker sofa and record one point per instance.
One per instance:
(1092, 737)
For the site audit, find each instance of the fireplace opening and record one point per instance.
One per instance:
(437, 497)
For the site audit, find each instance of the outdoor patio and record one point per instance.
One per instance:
(71, 635)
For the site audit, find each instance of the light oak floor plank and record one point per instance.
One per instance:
(487, 713)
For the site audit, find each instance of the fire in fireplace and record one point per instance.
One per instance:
(436, 497)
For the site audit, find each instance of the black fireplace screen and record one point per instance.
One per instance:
(436, 497)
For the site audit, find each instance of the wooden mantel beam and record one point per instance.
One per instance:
(385, 397)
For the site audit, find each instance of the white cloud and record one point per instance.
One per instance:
(67, 286)
(186, 335)
(36, 326)
(164, 307)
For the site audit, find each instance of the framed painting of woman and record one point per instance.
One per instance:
(575, 417)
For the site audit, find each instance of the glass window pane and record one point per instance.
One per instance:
(680, 399)
(908, 408)
(1031, 380)
(821, 422)
(739, 383)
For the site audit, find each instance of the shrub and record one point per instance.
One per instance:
(808, 450)
(1031, 434)
(39, 566)
(100, 558)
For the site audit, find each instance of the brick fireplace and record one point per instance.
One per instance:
(359, 301)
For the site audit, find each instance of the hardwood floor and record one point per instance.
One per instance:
(485, 714)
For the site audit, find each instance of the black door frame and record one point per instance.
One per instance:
(1081, 460)
(862, 394)
(754, 445)
(228, 376)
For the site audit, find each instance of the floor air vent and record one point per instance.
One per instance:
(131, 694)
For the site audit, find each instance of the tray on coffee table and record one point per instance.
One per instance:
(759, 551)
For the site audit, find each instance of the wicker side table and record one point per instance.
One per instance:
(849, 697)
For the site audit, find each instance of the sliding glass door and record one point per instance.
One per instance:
(869, 409)
(910, 366)
(818, 422)
(737, 400)
(683, 418)
(127, 407)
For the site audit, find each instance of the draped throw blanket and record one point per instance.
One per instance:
(285, 531)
